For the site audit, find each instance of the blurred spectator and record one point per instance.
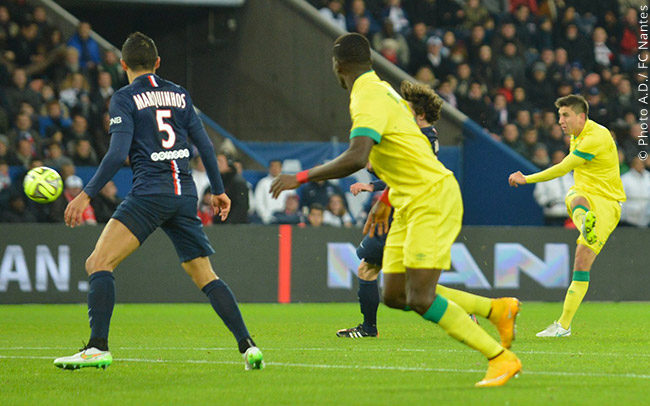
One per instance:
(417, 44)
(630, 36)
(23, 130)
(23, 45)
(25, 151)
(318, 192)
(265, 204)
(476, 41)
(446, 92)
(111, 64)
(54, 157)
(631, 144)
(19, 93)
(397, 15)
(200, 177)
(599, 111)
(89, 53)
(101, 95)
(8, 28)
(464, 78)
(236, 189)
(550, 195)
(333, 12)
(356, 13)
(603, 55)
(336, 214)
(485, 71)
(398, 44)
(17, 212)
(54, 120)
(498, 114)
(100, 136)
(315, 216)
(84, 154)
(426, 76)
(530, 140)
(438, 62)
(73, 89)
(543, 37)
(636, 182)
(556, 140)
(5, 179)
(77, 131)
(475, 14)
(511, 138)
(105, 203)
(523, 120)
(540, 88)
(291, 213)
(577, 46)
(7, 153)
(473, 105)
(511, 63)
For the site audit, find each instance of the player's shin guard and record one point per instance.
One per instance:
(224, 303)
(369, 302)
(454, 320)
(472, 304)
(576, 292)
(101, 301)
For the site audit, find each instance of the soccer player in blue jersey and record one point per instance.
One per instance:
(153, 122)
(502, 312)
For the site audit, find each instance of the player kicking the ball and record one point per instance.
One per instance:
(502, 312)
(594, 203)
(153, 121)
(425, 194)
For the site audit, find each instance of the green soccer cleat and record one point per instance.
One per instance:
(87, 357)
(589, 228)
(253, 359)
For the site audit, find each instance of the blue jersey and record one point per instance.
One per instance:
(161, 117)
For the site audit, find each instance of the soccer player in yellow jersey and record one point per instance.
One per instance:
(594, 202)
(425, 195)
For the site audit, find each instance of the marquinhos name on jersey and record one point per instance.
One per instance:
(159, 99)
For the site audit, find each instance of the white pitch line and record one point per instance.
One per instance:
(439, 350)
(356, 367)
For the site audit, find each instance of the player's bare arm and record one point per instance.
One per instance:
(377, 218)
(221, 205)
(350, 161)
(74, 210)
(359, 187)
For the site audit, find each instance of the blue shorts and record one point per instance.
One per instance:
(176, 215)
(371, 250)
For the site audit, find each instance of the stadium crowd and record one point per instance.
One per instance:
(501, 62)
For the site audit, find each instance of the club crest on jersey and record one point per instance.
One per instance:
(170, 155)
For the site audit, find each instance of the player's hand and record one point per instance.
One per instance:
(377, 218)
(221, 205)
(283, 182)
(359, 187)
(74, 210)
(517, 179)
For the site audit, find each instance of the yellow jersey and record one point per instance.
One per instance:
(600, 175)
(402, 156)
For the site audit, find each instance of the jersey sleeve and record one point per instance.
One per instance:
(589, 147)
(569, 163)
(369, 118)
(120, 111)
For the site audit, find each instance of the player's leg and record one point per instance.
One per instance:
(582, 215)
(502, 312)
(115, 243)
(368, 294)
(193, 248)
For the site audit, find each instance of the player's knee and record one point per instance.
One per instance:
(419, 302)
(95, 264)
(394, 301)
(368, 272)
(580, 201)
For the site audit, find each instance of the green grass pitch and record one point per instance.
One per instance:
(183, 355)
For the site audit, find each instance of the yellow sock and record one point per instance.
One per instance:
(578, 216)
(454, 320)
(574, 296)
(474, 304)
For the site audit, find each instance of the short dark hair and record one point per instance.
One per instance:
(423, 99)
(139, 52)
(316, 206)
(576, 102)
(352, 49)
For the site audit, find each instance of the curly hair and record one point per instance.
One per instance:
(423, 99)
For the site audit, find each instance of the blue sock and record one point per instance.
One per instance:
(369, 301)
(101, 300)
(225, 304)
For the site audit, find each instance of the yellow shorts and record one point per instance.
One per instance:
(608, 213)
(422, 233)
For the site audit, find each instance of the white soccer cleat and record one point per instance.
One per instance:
(555, 330)
(88, 357)
(253, 359)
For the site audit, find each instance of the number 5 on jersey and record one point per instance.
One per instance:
(164, 127)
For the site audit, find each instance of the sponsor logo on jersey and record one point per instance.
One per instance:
(170, 155)
(116, 120)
